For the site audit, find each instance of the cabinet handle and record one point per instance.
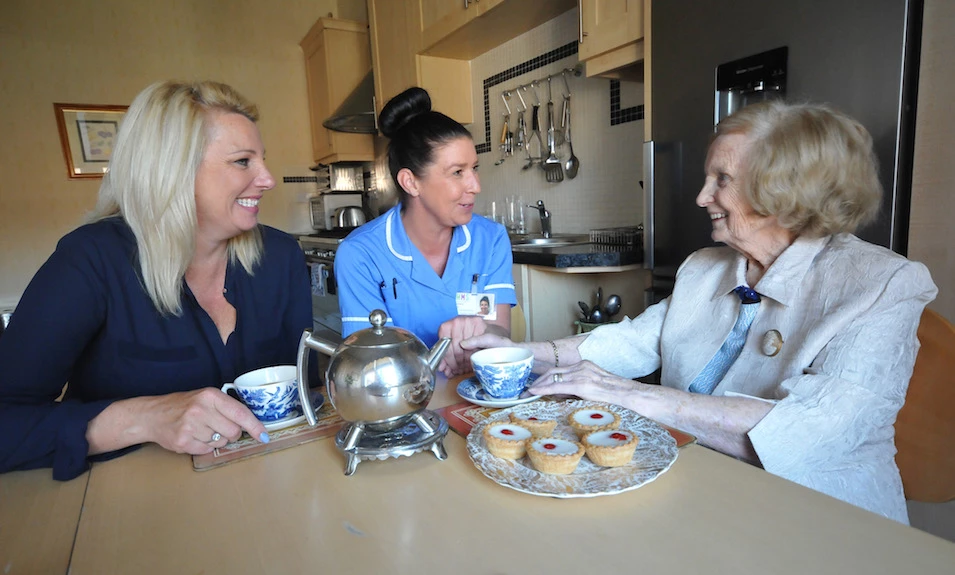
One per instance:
(374, 110)
(580, 22)
(465, 4)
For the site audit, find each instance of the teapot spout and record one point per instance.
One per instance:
(437, 352)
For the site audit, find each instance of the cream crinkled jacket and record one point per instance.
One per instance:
(848, 312)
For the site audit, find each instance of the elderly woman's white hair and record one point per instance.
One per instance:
(151, 181)
(810, 166)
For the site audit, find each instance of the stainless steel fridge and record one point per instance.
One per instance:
(709, 56)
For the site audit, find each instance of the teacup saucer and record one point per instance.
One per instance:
(317, 401)
(470, 389)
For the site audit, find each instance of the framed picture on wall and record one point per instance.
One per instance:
(87, 133)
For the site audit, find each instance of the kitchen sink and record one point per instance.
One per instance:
(555, 240)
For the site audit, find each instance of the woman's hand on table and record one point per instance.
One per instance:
(183, 422)
(583, 379)
(186, 422)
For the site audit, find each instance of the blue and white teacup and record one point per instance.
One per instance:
(503, 371)
(270, 393)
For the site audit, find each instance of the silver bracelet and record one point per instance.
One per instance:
(556, 355)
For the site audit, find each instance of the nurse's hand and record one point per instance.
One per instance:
(457, 360)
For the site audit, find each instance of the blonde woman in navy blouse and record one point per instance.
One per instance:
(171, 290)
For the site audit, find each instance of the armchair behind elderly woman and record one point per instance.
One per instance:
(790, 347)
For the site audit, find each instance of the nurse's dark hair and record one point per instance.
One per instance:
(414, 131)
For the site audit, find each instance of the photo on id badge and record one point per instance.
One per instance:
(480, 304)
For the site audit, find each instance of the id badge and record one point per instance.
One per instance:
(479, 304)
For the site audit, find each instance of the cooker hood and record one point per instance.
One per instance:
(357, 113)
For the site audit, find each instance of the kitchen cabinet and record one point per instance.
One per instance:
(612, 37)
(337, 57)
(396, 40)
(465, 29)
(549, 296)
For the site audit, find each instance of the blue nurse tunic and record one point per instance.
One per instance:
(377, 267)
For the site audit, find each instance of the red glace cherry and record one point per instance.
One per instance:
(532, 419)
(618, 436)
(550, 446)
(507, 432)
(596, 416)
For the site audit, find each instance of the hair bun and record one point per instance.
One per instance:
(402, 109)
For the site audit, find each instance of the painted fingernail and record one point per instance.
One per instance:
(264, 437)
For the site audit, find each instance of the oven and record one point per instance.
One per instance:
(320, 248)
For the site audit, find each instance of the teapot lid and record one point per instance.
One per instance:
(379, 334)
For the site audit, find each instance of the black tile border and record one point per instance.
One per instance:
(299, 179)
(617, 115)
(524, 67)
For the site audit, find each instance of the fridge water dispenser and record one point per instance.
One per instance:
(749, 80)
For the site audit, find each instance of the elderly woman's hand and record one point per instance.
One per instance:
(583, 379)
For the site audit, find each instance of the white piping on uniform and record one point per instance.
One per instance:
(467, 239)
(391, 247)
(499, 286)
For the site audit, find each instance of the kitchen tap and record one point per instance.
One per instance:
(545, 217)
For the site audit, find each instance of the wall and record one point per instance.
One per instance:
(606, 191)
(105, 52)
(932, 233)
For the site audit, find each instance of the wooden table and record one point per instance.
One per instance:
(294, 511)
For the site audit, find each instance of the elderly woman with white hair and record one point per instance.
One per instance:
(792, 346)
(172, 289)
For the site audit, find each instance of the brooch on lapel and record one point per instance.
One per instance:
(772, 342)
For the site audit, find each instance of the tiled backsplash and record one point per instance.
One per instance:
(607, 133)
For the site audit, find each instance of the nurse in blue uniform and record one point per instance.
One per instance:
(429, 261)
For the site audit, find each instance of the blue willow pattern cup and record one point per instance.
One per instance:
(270, 393)
(503, 371)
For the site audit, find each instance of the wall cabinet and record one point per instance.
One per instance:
(611, 35)
(549, 296)
(396, 40)
(466, 29)
(337, 57)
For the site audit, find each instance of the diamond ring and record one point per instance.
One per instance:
(558, 378)
(215, 437)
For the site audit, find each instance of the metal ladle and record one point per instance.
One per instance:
(573, 163)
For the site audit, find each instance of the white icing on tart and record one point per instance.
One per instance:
(594, 417)
(609, 437)
(554, 446)
(509, 432)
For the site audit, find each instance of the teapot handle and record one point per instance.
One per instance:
(304, 345)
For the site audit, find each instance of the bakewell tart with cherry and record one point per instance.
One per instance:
(590, 419)
(610, 447)
(506, 440)
(554, 456)
(538, 427)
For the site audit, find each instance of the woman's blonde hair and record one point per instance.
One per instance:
(812, 167)
(151, 181)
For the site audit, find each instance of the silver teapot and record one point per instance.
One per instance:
(379, 377)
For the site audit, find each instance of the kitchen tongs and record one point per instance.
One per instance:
(535, 132)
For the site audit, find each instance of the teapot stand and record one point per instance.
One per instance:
(425, 431)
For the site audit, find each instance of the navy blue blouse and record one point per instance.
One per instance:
(86, 319)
